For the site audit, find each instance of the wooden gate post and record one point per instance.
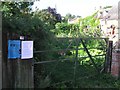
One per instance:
(0, 50)
(108, 57)
(5, 75)
(17, 73)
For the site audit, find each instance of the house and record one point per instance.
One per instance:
(109, 22)
(74, 20)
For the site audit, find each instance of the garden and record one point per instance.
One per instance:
(65, 55)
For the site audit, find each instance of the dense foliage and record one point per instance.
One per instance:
(86, 27)
(44, 27)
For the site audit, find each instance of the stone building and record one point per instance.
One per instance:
(109, 22)
(110, 25)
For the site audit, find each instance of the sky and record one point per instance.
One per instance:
(75, 7)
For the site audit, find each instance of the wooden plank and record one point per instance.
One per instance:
(17, 73)
(23, 74)
(0, 49)
(30, 74)
(5, 75)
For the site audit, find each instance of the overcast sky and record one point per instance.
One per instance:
(76, 7)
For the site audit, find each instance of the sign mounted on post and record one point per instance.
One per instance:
(26, 49)
(20, 49)
(13, 49)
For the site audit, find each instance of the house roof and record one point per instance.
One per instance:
(111, 14)
(74, 20)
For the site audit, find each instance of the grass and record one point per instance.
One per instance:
(61, 75)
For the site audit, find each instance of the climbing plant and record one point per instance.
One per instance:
(88, 26)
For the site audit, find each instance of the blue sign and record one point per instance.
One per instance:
(13, 49)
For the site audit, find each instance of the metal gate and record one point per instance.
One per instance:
(71, 60)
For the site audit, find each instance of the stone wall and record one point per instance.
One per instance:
(115, 66)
